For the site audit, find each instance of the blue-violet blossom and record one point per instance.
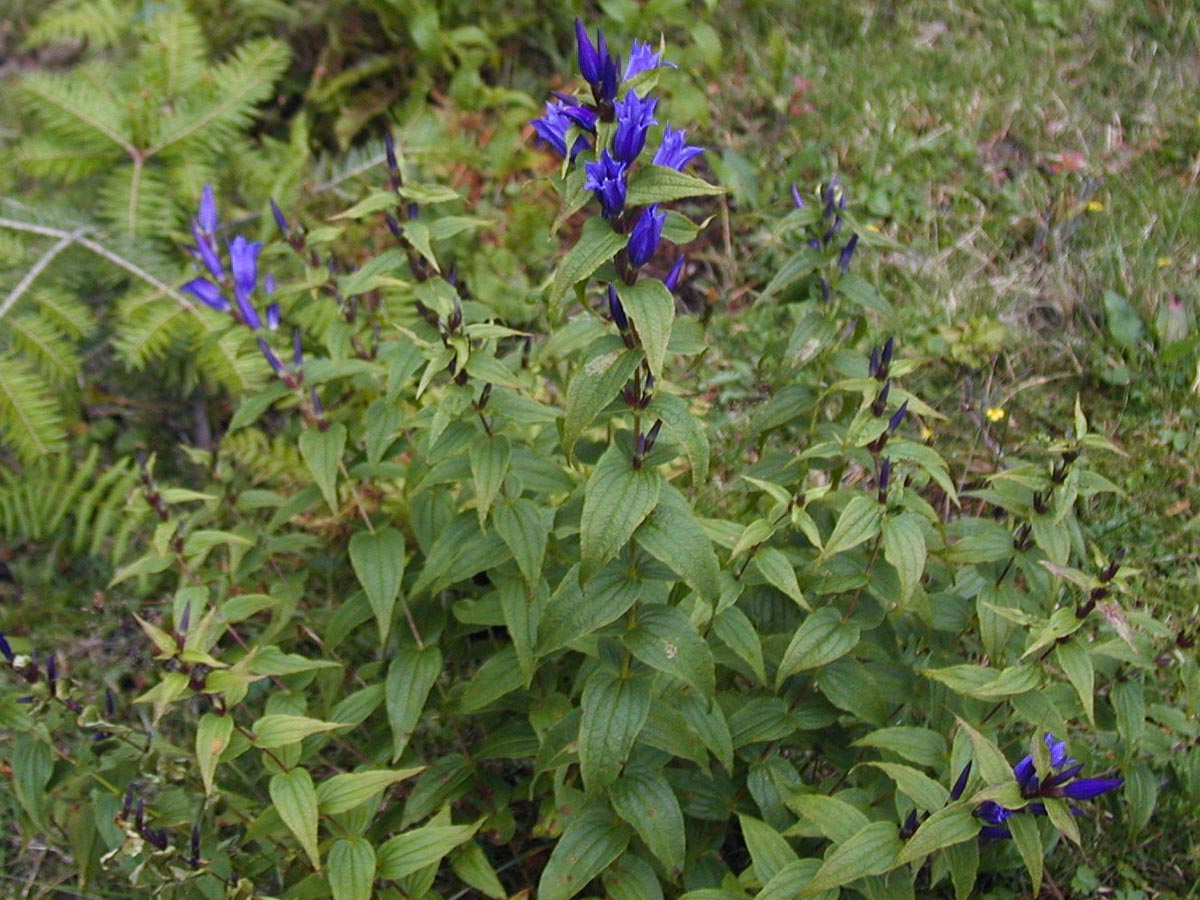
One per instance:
(554, 124)
(634, 118)
(597, 66)
(645, 235)
(243, 260)
(673, 152)
(607, 179)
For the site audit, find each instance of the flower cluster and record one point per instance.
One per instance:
(833, 203)
(570, 127)
(1063, 781)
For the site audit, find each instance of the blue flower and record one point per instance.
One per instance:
(270, 356)
(207, 293)
(642, 58)
(616, 310)
(596, 64)
(634, 118)
(6, 651)
(673, 152)
(243, 260)
(645, 235)
(847, 254)
(672, 279)
(607, 179)
(553, 126)
(206, 218)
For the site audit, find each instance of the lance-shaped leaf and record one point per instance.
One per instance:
(664, 638)
(295, 800)
(616, 500)
(590, 842)
(644, 798)
(820, 639)
(871, 851)
(614, 711)
(651, 309)
(378, 561)
(282, 730)
(212, 737)
(415, 850)
(595, 385)
(346, 791)
(351, 869)
(410, 677)
(322, 452)
(597, 244)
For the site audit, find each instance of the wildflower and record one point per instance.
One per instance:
(847, 254)
(672, 279)
(673, 152)
(270, 356)
(208, 294)
(204, 227)
(897, 417)
(280, 219)
(960, 784)
(243, 260)
(6, 651)
(642, 58)
(553, 126)
(596, 64)
(646, 233)
(995, 413)
(797, 200)
(616, 311)
(1095, 206)
(607, 179)
(634, 118)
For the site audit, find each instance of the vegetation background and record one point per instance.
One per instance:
(1026, 173)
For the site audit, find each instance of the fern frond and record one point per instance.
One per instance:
(232, 361)
(76, 109)
(138, 199)
(44, 156)
(67, 315)
(99, 22)
(30, 418)
(42, 346)
(148, 325)
(174, 53)
(238, 85)
(264, 459)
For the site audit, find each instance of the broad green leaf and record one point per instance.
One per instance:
(946, 827)
(837, 819)
(987, 683)
(1076, 662)
(346, 791)
(992, 765)
(614, 711)
(795, 267)
(644, 798)
(597, 244)
(31, 768)
(524, 526)
(684, 428)
(411, 675)
(575, 611)
(1028, 839)
(904, 548)
(489, 464)
(926, 793)
(1063, 819)
(777, 569)
(281, 731)
(414, 850)
(820, 639)
(963, 861)
(595, 385)
(664, 638)
(1124, 324)
(378, 561)
(590, 842)
(760, 719)
(918, 745)
(651, 309)
(632, 878)
(322, 453)
(522, 611)
(858, 522)
(295, 800)
(616, 500)
(862, 293)
(738, 633)
(212, 737)
(499, 675)
(661, 184)
(769, 850)
(791, 881)
(471, 864)
(871, 851)
(673, 536)
(351, 869)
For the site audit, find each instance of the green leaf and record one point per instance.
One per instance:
(212, 737)
(871, 851)
(684, 428)
(862, 293)
(499, 675)
(597, 244)
(351, 869)
(594, 386)
(31, 768)
(350, 789)
(589, 844)
(904, 548)
(926, 793)
(644, 798)
(791, 881)
(1076, 662)
(1028, 839)
(573, 612)
(738, 633)
(987, 683)
(837, 819)
(820, 639)
(946, 827)
(322, 452)
(673, 536)
(803, 262)
(1063, 819)
(664, 638)
(632, 878)
(779, 572)
(769, 850)
(615, 501)
(281, 731)
(471, 864)
(524, 526)
(614, 711)
(660, 184)
(651, 309)
(522, 612)
(1124, 324)
(415, 850)
(858, 522)
(489, 464)
(992, 765)
(295, 800)
(378, 561)
(919, 745)
(963, 861)
(411, 675)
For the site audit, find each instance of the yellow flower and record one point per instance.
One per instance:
(926, 432)
(1094, 206)
(872, 227)
(994, 413)
(1164, 261)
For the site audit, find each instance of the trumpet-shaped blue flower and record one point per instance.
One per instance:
(552, 127)
(607, 179)
(597, 66)
(673, 152)
(642, 58)
(634, 118)
(672, 279)
(243, 260)
(208, 294)
(645, 235)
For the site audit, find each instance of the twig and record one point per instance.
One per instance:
(37, 268)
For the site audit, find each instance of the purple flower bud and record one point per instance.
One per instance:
(297, 347)
(642, 58)
(243, 260)
(672, 279)
(280, 219)
(673, 152)
(616, 310)
(394, 227)
(829, 197)
(389, 151)
(590, 63)
(886, 358)
(207, 293)
(186, 618)
(634, 118)
(139, 815)
(194, 858)
(652, 434)
(960, 784)
(269, 354)
(797, 200)
(1086, 788)
(607, 179)
(815, 243)
(873, 362)
(269, 284)
(272, 316)
(110, 703)
(6, 651)
(52, 670)
(646, 233)
(885, 476)
(897, 417)
(318, 410)
(413, 211)
(206, 218)
(847, 254)
(127, 804)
